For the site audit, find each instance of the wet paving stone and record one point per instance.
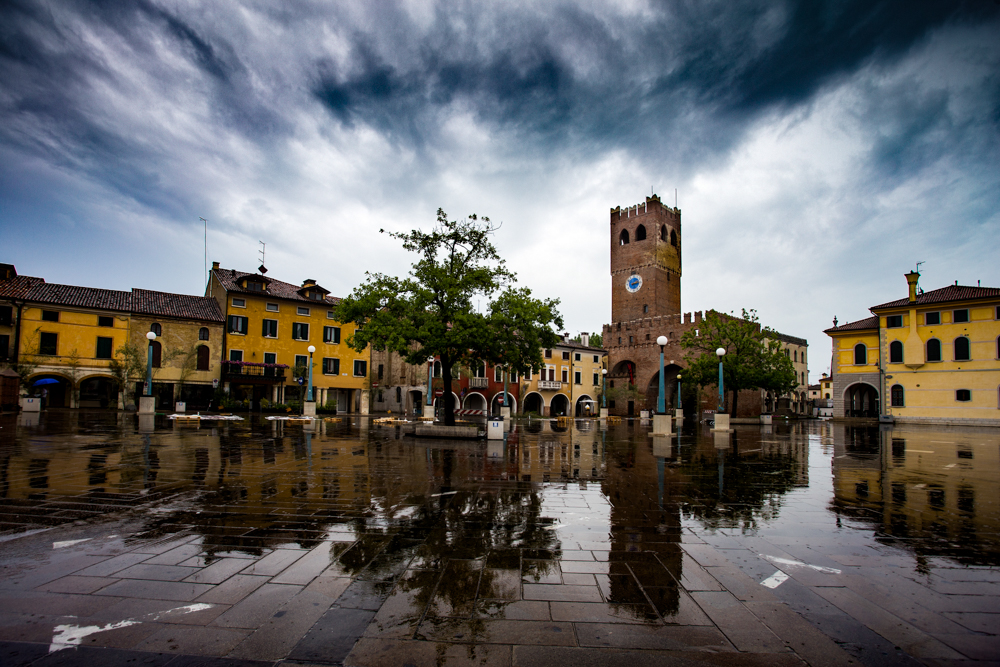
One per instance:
(347, 543)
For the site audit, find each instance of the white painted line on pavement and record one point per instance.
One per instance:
(775, 579)
(68, 543)
(798, 563)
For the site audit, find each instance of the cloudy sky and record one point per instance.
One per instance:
(818, 149)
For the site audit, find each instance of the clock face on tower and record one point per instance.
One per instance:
(633, 283)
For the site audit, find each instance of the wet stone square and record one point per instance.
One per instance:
(348, 543)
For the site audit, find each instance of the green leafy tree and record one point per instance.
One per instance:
(595, 339)
(753, 360)
(432, 312)
(128, 367)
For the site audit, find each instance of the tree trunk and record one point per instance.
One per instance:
(449, 406)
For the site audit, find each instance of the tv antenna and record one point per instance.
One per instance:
(260, 252)
(206, 247)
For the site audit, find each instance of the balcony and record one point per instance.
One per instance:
(549, 384)
(479, 383)
(245, 371)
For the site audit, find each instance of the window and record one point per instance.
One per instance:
(663, 233)
(623, 237)
(203, 358)
(895, 352)
(104, 346)
(896, 395)
(963, 395)
(271, 307)
(548, 354)
(565, 356)
(513, 376)
(497, 374)
(302, 310)
(300, 331)
(156, 328)
(238, 325)
(437, 369)
(235, 355)
(331, 366)
(673, 241)
(360, 368)
(565, 375)
(893, 321)
(577, 356)
(932, 318)
(962, 352)
(399, 394)
(47, 343)
(329, 315)
(640, 233)
(827, 395)
(860, 354)
(270, 358)
(269, 328)
(597, 380)
(630, 340)
(105, 321)
(50, 315)
(239, 303)
(203, 333)
(577, 377)
(381, 368)
(527, 375)
(961, 315)
(157, 352)
(331, 335)
(796, 355)
(478, 370)
(7, 315)
(302, 360)
(4, 346)
(597, 359)
(933, 350)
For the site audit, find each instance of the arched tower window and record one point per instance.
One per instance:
(895, 352)
(933, 350)
(673, 238)
(203, 333)
(640, 233)
(156, 328)
(663, 233)
(203, 360)
(962, 351)
(860, 354)
(896, 395)
(623, 237)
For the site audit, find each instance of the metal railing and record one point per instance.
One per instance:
(549, 384)
(479, 383)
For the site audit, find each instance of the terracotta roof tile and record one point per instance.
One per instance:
(185, 306)
(17, 287)
(275, 288)
(80, 297)
(860, 325)
(949, 293)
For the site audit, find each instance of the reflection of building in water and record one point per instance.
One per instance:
(929, 491)
(550, 451)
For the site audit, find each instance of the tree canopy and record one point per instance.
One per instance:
(433, 313)
(753, 360)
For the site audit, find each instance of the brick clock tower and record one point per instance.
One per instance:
(645, 303)
(645, 261)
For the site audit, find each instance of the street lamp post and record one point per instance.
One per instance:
(604, 387)
(679, 406)
(721, 352)
(661, 403)
(430, 379)
(309, 391)
(149, 365)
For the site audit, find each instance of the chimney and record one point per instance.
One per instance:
(215, 266)
(911, 280)
(565, 337)
(308, 282)
(585, 338)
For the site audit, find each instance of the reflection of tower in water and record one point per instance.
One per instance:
(645, 534)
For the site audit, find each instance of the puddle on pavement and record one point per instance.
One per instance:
(585, 516)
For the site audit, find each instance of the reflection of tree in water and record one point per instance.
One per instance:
(751, 489)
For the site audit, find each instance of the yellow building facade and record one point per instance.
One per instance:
(931, 357)
(569, 383)
(270, 326)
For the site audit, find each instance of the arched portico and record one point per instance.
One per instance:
(559, 405)
(861, 400)
(585, 407)
(533, 402)
(474, 401)
(55, 389)
(415, 402)
(98, 391)
(495, 403)
(439, 402)
(670, 373)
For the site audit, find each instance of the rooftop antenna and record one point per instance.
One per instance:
(206, 247)
(920, 290)
(675, 197)
(260, 252)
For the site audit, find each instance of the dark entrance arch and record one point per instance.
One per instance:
(99, 392)
(533, 403)
(560, 405)
(861, 400)
(670, 388)
(54, 394)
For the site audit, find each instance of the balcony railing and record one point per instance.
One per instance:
(249, 370)
(549, 384)
(479, 383)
